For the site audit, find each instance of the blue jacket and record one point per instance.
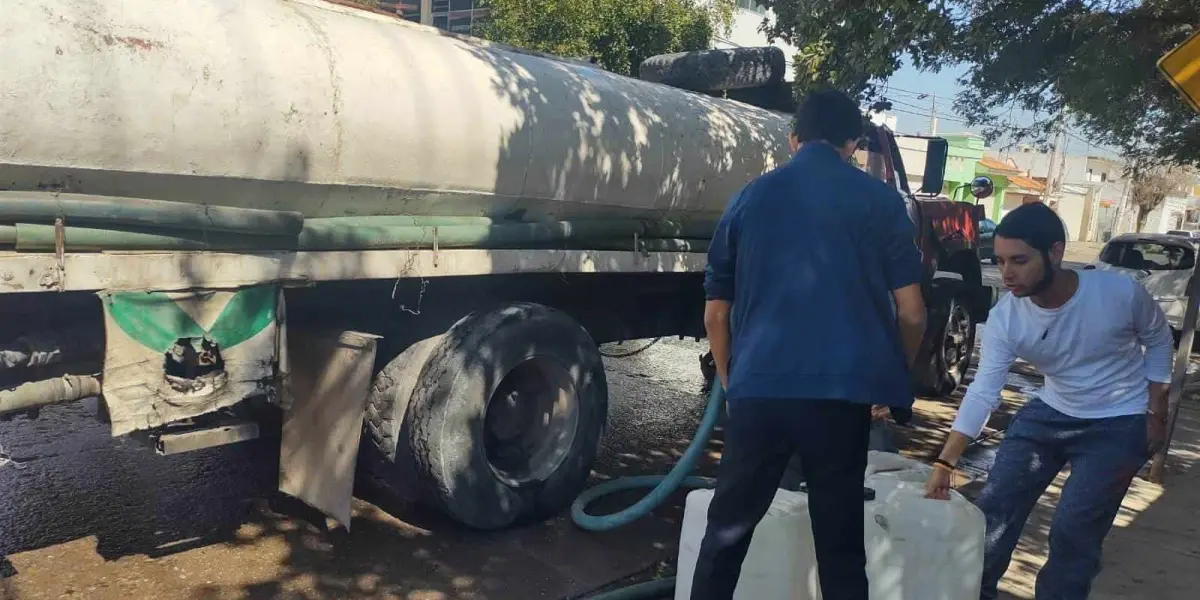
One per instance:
(809, 254)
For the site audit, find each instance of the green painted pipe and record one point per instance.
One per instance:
(600, 235)
(680, 229)
(8, 235)
(79, 209)
(507, 235)
(643, 245)
(674, 245)
(40, 238)
(395, 220)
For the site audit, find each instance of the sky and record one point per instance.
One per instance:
(906, 87)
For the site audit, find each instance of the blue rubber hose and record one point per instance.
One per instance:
(664, 485)
(659, 588)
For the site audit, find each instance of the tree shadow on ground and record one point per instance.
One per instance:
(219, 532)
(1154, 548)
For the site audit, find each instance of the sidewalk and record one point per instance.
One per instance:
(1082, 252)
(1154, 548)
(1153, 551)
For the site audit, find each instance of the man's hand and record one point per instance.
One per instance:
(1156, 417)
(937, 487)
(910, 316)
(879, 411)
(1156, 432)
(716, 325)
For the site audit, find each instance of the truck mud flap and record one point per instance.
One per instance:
(325, 396)
(171, 356)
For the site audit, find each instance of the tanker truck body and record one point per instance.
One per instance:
(227, 217)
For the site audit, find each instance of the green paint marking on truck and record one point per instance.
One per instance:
(155, 321)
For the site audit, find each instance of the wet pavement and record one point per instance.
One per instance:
(88, 516)
(84, 515)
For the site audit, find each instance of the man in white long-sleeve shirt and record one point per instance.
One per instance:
(1102, 410)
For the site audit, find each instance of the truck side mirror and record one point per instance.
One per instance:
(982, 187)
(936, 152)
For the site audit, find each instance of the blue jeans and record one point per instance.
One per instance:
(1104, 454)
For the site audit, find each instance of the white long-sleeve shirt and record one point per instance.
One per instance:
(1090, 351)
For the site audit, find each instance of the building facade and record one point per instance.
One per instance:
(1103, 176)
(457, 16)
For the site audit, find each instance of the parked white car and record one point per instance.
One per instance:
(1161, 262)
(1191, 235)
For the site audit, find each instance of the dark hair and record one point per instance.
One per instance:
(830, 116)
(1035, 224)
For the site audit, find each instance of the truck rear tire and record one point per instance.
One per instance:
(951, 339)
(387, 458)
(505, 420)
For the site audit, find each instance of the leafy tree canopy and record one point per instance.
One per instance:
(1091, 62)
(617, 34)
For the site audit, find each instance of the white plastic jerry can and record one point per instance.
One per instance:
(917, 549)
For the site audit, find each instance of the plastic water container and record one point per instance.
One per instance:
(917, 549)
(774, 564)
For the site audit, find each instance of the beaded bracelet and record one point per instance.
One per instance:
(937, 462)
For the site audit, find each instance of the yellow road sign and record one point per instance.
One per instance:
(1181, 67)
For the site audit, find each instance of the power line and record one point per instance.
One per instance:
(908, 104)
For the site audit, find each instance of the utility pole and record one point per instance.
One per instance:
(1062, 163)
(1051, 171)
(427, 12)
(933, 114)
(1179, 373)
(1122, 209)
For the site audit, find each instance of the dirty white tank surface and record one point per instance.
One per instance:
(917, 549)
(309, 106)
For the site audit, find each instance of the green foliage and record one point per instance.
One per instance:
(851, 44)
(1091, 62)
(617, 34)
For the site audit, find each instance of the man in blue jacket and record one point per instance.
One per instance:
(814, 313)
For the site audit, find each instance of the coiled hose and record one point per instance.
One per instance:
(663, 486)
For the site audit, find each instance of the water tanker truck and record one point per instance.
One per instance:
(396, 247)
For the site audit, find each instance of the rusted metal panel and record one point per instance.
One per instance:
(326, 392)
(210, 437)
(173, 356)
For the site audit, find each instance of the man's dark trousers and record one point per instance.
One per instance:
(760, 437)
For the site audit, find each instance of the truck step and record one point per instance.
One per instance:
(209, 437)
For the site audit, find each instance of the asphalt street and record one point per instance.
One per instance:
(85, 515)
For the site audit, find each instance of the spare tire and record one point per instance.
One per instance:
(716, 70)
(507, 416)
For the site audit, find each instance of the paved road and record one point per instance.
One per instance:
(84, 515)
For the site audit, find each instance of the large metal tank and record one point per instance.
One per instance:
(309, 106)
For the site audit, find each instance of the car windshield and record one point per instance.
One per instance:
(1149, 256)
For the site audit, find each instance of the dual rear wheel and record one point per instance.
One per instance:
(496, 422)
